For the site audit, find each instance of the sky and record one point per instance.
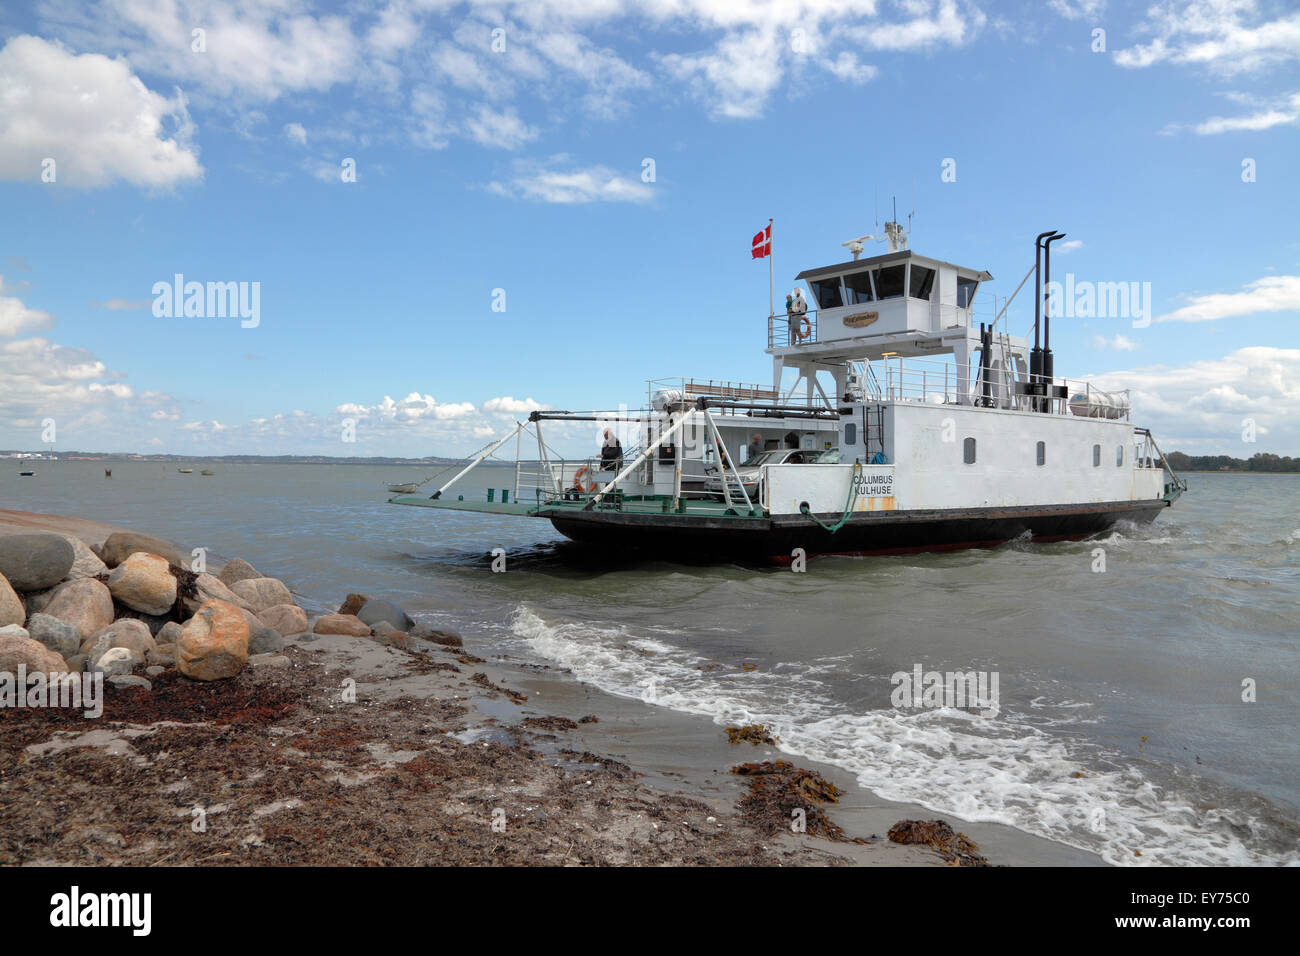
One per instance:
(452, 213)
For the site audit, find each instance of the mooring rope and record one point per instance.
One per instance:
(848, 504)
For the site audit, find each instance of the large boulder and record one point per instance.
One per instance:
(115, 660)
(128, 633)
(59, 636)
(31, 562)
(144, 583)
(85, 563)
(354, 603)
(120, 545)
(14, 630)
(85, 603)
(214, 643)
(285, 618)
(341, 624)
(375, 611)
(265, 640)
(207, 588)
(12, 610)
(261, 593)
(35, 656)
(237, 569)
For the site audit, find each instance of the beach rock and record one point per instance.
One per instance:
(168, 633)
(126, 681)
(372, 612)
(265, 640)
(445, 638)
(85, 563)
(77, 663)
(14, 630)
(115, 660)
(59, 636)
(237, 569)
(85, 603)
(341, 624)
(384, 633)
(214, 643)
(155, 622)
(143, 582)
(285, 618)
(262, 593)
(35, 656)
(155, 670)
(37, 601)
(31, 562)
(162, 656)
(122, 544)
(269, 660)
(354, 603)
(128, 633)
(209, 588)
(12, 609)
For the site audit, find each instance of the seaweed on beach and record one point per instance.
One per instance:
(513, 695)
(754, 733)
(957, 848)
(778, 788)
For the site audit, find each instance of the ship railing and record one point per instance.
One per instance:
(778, 330)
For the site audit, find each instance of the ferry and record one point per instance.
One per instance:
(895, 422)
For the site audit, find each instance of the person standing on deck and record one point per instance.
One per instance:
(755, 447)
(611, 453)
(796, 309)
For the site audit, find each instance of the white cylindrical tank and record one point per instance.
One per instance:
(1095, 404)
(671, 399)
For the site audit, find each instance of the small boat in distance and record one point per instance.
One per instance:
(409, 488)
(206, 472)
(186, 471)
(108, 472)
(26, 474)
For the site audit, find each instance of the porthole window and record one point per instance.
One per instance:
(1096, 456)
(1041, 452)
(1119, 456)
(968, 451)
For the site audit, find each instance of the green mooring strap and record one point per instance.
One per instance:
(848, 505)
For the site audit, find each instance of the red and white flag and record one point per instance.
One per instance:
(762, 246)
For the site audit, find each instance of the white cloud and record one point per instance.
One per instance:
(1269, 294)
(1069, 245)
(1200, 408)
(92, 117)
(296, 133)
(1078, 9)
(1120, 343)
(16, 318)
(593, 184)
(1283, 112)
(503, 130)
(507, 405)
(1225, 36)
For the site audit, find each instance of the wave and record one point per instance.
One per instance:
(1002, 770)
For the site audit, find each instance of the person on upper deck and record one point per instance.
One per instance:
(611, 453)
(795, 310)
(755, 447)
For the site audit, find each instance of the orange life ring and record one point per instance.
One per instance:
(805, 328)
(577, 479)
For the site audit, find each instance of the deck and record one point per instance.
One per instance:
(690, 507)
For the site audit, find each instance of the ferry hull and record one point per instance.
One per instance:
(897, 532)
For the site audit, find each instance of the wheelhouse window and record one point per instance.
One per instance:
(968, 451)
(890, 282)
(1096, 456)
(1040, 452)
(857, 288)
(922, 282)
(966, 292)
(827, 292)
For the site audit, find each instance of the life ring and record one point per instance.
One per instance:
(577, 479)
(805, 328)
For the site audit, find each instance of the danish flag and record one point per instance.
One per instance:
(762, 245)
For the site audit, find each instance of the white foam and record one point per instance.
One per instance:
(1001, 770)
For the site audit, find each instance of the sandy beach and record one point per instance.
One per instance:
(351, 750)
